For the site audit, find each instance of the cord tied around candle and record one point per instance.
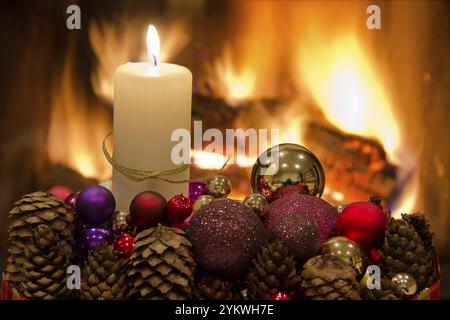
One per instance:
(138, 175)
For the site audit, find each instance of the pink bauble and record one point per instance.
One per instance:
(323, 214)
(61, 192)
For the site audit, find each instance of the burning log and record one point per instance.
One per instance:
(356, 166)
(62, 175)
(217, 113)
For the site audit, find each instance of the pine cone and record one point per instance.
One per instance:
(215, 288)
(162, 266)
(386, 292)
(422, 226)
(273, 270)
(33, 210)
(403, 251)
(45, 264)
(105, 276)
(326, 277)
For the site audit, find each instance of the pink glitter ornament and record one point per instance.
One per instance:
(315, 209)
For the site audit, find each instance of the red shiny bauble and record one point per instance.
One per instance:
(147, 209)
(362, 222)
(280, 296)
(61, 192)
(125, 244)
(181, 224)
(71, 202)
(179, 208)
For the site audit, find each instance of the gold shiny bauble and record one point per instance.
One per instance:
(288, 164)
(348, 251)
(256, 202)
(121, 218)
(218, 186)
(405, 283)
(201, 201)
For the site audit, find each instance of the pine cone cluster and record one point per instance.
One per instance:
(161, 266)
(104, 275)
(273, 270)
(404, 251)
(326, 277)
(30, 212)
(45, 264)
(215, 288)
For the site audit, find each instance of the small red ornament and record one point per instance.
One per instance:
(179, 208)
(280, 296)
(181, 224)
(362, 222)
(61, 192)
(301, 186)
(147, 209)
(125, 244)
(373, 254)
(71, 202)
(266, 193)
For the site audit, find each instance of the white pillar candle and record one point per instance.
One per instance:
(150, 101)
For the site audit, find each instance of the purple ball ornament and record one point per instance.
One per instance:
(95, 205)
(196, 189)
(313, 208)
(94, 236)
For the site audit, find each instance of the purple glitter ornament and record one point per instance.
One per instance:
(95, 205)
(95, 236)
(196, 189)
(299, 234)
(225, 237)
(315, 209)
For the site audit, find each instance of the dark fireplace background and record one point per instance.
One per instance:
(34, 42)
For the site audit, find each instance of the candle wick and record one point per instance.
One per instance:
(155, 60)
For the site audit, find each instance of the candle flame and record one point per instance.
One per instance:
(153, 46)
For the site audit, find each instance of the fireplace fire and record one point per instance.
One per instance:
(372, 104)
(332, 98)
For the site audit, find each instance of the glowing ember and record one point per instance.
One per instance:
(208, 160)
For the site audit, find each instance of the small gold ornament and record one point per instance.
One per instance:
(340, 207)
(121, 218)
(348, 251)
(405, 283)
(288, 164)
(201, 201)
(218, 186)
(256, 202)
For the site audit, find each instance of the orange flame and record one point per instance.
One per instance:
(342, 79)
(77, 128)
(349, 91)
